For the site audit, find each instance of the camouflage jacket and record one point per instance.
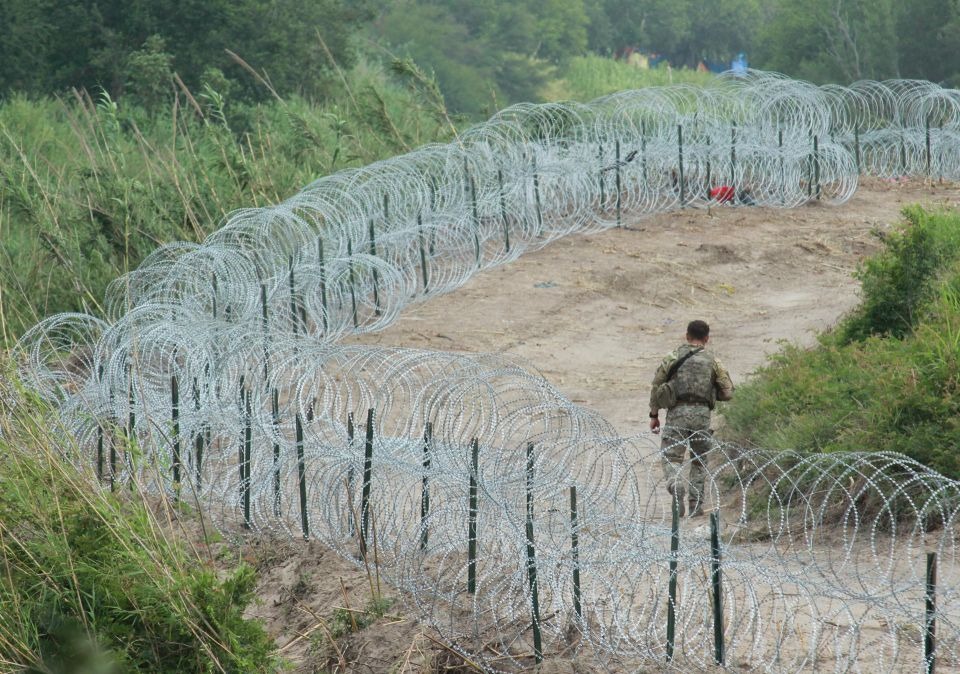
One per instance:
(701, 378)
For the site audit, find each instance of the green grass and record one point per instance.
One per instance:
(95, 583)
(90, 186)
(888, 377)
(589, 77)
(899, 282)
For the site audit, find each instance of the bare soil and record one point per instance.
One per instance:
(595, 314)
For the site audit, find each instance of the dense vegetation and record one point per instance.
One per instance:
(88, 187)
(49, 46)
(888, 377)
(508, 47)
(484, 53)
(96, 583)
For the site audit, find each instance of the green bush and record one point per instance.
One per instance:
(90, 582)
(89, 187)
(898, 282)
(587, 77)
(888, 390)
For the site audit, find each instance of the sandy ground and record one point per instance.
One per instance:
(595, 314)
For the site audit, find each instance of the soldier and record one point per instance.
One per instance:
(688, 383)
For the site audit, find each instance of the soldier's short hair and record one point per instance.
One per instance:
(698, 329)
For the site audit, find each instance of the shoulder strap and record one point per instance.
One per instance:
(680, 361)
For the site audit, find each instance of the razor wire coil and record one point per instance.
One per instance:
(223, 362)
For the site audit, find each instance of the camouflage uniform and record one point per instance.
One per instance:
(699, 382)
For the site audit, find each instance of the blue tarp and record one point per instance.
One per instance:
(739, 65)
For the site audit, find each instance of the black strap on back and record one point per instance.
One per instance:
(680, 361)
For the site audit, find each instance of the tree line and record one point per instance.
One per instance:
(483, 53)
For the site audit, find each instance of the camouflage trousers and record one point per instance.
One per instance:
(687, 428)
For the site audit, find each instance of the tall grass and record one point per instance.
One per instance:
(888, 377)
(93, 582)
(587, 77)
(89, 186)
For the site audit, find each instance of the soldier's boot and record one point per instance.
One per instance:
(677, 495)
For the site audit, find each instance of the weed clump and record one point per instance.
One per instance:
(888, 377)
(901, 281)
(89, 580)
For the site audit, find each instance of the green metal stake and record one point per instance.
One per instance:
(816, 164)
(643, 150)
(733, 154)
(353, 285)
(175, 414)
(433, 213)
(198, 440)
(683, 198)
(503, 211)
(350, 472)
(709, 179)
(294, 314)
(783, 179)
(617, 182)
(241, 449)
(100, 453)
(198, 452)
(113, 451)
(536, 196)
(476, 220)
(376, 275)
(603, 183)
(131, 417)
(930, 618)
(214, 300)
(472, 519)
(247, 446)
(275, 409)
(856, 147)
(903, 155)
(532, 562)
(927, 156)
(265, 325)
(131, 422)
(425, 487)
(940, 156)
(323, 281)
(265, 329)
(672, 588)
(717, 580)
(302, 479)
(470, 188)
(367, 477)
(241, 401)
(575, 553)
(100, 435)
(423, 255)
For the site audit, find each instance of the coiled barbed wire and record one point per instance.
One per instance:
(221, 362)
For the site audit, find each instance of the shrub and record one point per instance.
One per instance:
(888, 389)
(897, 282)
(90, 187)
(89, 581)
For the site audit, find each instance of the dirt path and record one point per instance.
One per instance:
(594, 314)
